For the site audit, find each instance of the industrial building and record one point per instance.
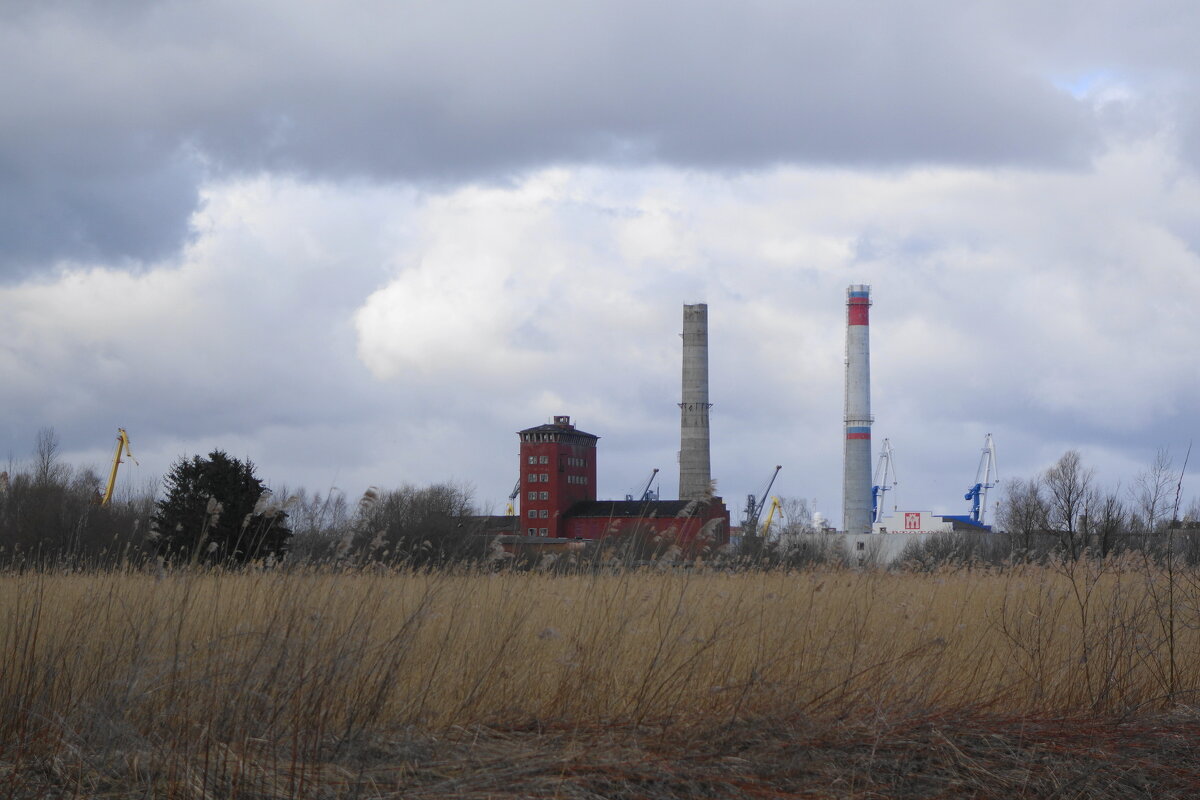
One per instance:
(863, 514)
(558, 497)
(926, 522)
(556, 492)
(557, 486)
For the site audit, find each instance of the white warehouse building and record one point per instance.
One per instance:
(897, 530)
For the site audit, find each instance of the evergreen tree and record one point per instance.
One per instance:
(217, 511)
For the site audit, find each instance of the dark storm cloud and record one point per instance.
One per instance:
(111, 110)
(94, 211)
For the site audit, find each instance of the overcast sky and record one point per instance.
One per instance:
(363, 243)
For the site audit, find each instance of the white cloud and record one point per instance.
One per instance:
(352, 335)
(1004, 300)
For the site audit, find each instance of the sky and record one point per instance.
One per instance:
(363, 243)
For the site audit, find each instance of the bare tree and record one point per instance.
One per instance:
(1191, 516)
(47, 469)
(1068, 489)
(799, 542)
(1024, 512)
(319, 522)
(1152, 495)
(797, 517)
(417, 525)
(1108, 521)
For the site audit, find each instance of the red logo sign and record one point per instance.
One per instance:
(912, 520)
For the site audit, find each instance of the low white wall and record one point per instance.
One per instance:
(880, 549)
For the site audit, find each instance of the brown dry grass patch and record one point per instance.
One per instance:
(638, 684)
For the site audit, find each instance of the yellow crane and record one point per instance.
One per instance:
(122, 441)
(511, 511)
(775, 506)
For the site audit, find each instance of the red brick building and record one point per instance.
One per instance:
(558, 497)
(558, 469)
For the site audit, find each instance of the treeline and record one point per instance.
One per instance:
(50, 513)
(1064, 512)
(1068, 511)
(215, 510)
(415, 525)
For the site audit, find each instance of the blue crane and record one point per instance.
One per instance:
(885, 480)
(985, 478)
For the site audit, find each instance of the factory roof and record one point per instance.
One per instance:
(636, 508)
(962, 522)
(558, 430)
(552, 428)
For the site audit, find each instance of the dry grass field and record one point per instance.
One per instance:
(1077, 679)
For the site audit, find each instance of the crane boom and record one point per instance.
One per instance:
(885, 479)
(511, 511)
(754, 507)
(122, 441)
(985, 478)
(776, 505)
(646, 492)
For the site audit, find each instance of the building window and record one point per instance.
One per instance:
(533, 459)
(545, 477)
(545, 512)
(533, 495)
(533, 513)
(544, 531)
(533, 477)
(533, 531)
(543, 459)
(861, 546)
(545, 496)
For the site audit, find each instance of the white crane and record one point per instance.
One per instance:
(985, 478)
(885, 480)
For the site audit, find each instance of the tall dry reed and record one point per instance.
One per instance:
(196, 663)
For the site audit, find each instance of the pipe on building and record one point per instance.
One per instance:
(695, 469)
(856, 477)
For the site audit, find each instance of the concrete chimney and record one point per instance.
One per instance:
(856, 478)
(695, 472)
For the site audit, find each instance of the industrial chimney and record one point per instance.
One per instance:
(695, 472)
(856, 479)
